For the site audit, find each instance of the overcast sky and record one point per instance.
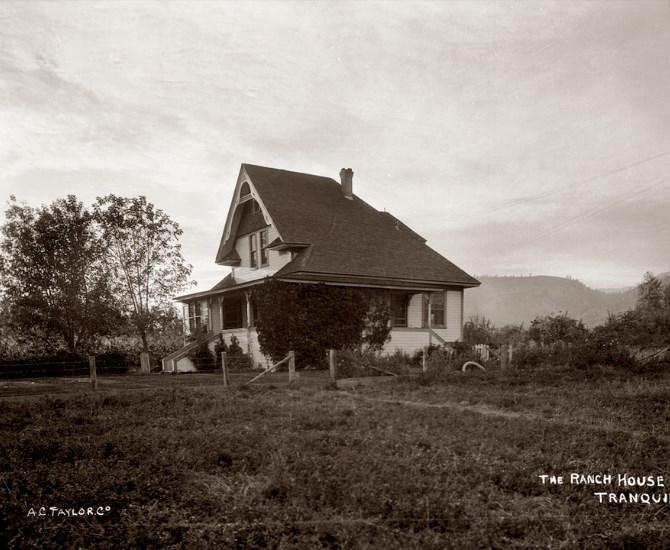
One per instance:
(517, 137)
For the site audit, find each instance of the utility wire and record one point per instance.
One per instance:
(543, 194)
(586, 214)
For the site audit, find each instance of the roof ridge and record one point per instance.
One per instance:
(245, 164)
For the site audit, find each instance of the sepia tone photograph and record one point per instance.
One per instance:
(291, 274)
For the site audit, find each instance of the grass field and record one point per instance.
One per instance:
(452, 462)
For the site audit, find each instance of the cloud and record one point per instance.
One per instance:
(441, 109)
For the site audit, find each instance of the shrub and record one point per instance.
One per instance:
(113, 362)
(552, 329)
(202, 357)
(310, 319)
(61, 363)
(237, 359)
(219, 348)
(354, 363)
(600, 351)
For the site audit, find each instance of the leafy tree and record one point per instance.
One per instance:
(651, 297)
(479, 330)
(53, 274)
(653, 311)
(144, 258)
(312, 318)
(551, 329)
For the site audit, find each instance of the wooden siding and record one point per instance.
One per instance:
(454, 328)
(248, 340)
(185, 365)
(276, 260)
(414, 311)
(215, 313)
(407, 340)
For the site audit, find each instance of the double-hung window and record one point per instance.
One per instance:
(433, 310)
(258, 254)
(437, 310)
(194, 316)
(253, 251)
(263, 238)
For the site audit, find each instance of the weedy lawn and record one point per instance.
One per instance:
(451, 461)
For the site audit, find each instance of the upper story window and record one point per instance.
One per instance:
(245, 190)
(253, 251)
(263, 238)
(258, 254)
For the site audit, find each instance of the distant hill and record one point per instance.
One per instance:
(517, 299)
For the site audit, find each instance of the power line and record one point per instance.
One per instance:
(585, 215)
(543, 194)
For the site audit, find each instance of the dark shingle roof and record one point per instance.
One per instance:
(347, 237)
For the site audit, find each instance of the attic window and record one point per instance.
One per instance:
(245, 190)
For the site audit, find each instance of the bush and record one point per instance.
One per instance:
(202, 357)
(237, 359)
(310, 319)
(113, 362)
(356, 364)
(219, 348)
(61, 363)
(598, 351)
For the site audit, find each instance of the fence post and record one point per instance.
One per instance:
(424, 360)
(333, 366)
(94, 374)
(224, 368)
(291, 367)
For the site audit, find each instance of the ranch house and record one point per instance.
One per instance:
(302, 228)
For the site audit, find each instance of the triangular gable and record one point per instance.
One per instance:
(227, 244)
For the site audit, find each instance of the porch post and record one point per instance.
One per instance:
(249, 320)
(246, 296)
(220, 299)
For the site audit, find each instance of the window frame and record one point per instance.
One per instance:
(194, 316)
(428, 310)
(399, 300)
(264, 256)
(253, 251)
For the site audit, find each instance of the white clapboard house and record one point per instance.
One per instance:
(302, 228)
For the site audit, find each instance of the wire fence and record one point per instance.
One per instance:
(58, 369)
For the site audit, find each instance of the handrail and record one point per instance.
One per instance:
(437, 337)
(181, 352)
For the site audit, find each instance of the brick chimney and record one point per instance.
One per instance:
(346, 177)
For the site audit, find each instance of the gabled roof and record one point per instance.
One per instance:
(346, 237)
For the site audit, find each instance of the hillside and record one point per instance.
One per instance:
(506, 300)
